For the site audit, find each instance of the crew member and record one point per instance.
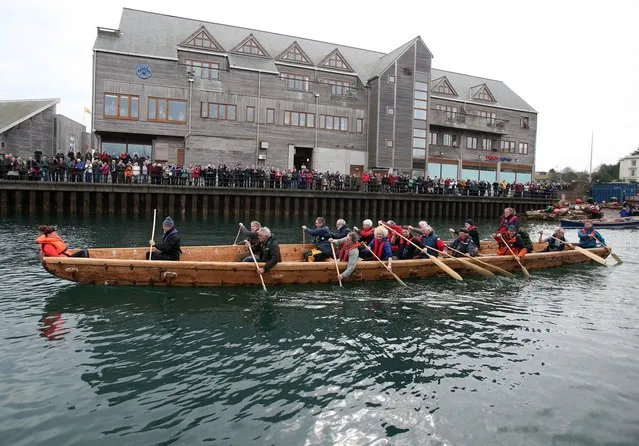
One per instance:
(463, 245)
(322, 249)
(556, 242)
(588, 236)
(169, 247)
(508, 219)
(269, 249)
(52, 245)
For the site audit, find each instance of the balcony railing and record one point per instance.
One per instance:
(447, 118)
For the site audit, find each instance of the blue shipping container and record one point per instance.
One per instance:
(605, 191)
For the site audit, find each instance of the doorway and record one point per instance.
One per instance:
(303, 157)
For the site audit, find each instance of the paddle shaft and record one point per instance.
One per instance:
(523, 268)
(455, 275)
(336, 266)
(385, 265)
(581, 250)
(488, 265)
(238, 235)
(155, 212)
(258, 267)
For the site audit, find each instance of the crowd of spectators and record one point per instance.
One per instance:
(127, 169)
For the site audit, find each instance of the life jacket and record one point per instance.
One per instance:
(54, 240)
(555, 245)
(430, 242)
(367, 234)
(507, 221)
(345, 251)
(378, 247)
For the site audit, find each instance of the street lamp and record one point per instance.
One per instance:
(441, 156)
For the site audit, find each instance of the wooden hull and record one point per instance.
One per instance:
(215, 266)
(626, 222)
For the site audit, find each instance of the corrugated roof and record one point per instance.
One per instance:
(13, 113)
(465, 85)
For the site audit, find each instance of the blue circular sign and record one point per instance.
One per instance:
(143, 71)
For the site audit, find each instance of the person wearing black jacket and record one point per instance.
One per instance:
(269, 250)
(169, 247)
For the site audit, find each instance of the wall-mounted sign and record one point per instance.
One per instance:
(143, 71)
(495, 158)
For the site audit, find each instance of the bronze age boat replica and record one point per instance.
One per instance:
(214, 266)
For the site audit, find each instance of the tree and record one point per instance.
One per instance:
(606, 173)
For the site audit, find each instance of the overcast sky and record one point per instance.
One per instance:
(575, 62)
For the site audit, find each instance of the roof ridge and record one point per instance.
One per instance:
(257, 30)
(469, 75)
(30, 100)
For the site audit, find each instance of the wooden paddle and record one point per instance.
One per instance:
(581, 250)
(238, 234)
(336, 266)
(613, 255)
(447, 269)
(489, 266)
(155, 212)
(303, 236)
(257, 266)
(466, 261)
(385, 266)
(523, 268)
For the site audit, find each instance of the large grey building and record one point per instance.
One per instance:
(194, 92)
(28, 126)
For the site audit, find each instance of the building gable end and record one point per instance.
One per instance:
(294, 53)
(202, 39)
(482, 93)
(251, 47)
(442, 85)
(336, 61)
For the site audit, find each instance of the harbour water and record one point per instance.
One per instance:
(551, 360)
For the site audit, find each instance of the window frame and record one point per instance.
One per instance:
(359, 125)
(225, 107)
(308, 117)
(191, 64)
(522, 148)
(474, 142)
(252, 109)
(524, 123)
(270, 116)
(288, 77)
(118, 116)
(167, 103)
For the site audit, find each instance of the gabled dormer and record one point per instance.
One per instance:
(202, 40)
(251, 47)
(294, 53)
(336, 61)
(482, 93)
(443, 86)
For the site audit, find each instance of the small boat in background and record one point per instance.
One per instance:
(620, 222)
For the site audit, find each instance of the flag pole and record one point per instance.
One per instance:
(592, 139)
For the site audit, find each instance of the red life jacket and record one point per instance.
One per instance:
(345, 251)
(367, 234)
(54, 240)
(378, 247)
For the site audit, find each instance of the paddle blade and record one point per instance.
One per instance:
(591, 255)
(496, 269)
(616, 257)
(446, 268)
(477, 268)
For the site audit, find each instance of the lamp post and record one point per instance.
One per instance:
(191, 79)
(316, 120)
(441, 165)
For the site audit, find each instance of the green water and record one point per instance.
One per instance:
(552, 360)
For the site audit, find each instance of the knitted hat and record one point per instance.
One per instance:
(470, 221)
(168, 221)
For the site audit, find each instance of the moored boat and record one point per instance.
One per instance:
(214, 266)
(620, 223)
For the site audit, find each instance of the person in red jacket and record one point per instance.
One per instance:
(52, 245)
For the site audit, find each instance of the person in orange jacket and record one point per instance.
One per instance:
(52, 245)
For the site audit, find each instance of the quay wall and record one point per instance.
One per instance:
(109, 200)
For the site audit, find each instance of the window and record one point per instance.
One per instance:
(432, 139)
(219, 111)
(451, 112)
(250, 114)
(524, 123)
(444, 87)
(419, 154)
(507, 146)
(359, 125)
(419, 139)
(483, 95)
(633, 172)
(270, 115)
(167, 110)
(203, 70)
(120, 106)
(334, 123)
(471, 142)
(391, 79)
(339, 88)
(297, 82)
(421, 105)
(335, 61)
(251, 47)
(202, 40)
(486, 144)
(390, 111)
(447, 139)
(633, 163)
(299, 119)
(490, 117)
(523, 148)
(295, 54)
(389, 143)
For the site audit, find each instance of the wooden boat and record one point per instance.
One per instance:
(621, 222)
(215, 266)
